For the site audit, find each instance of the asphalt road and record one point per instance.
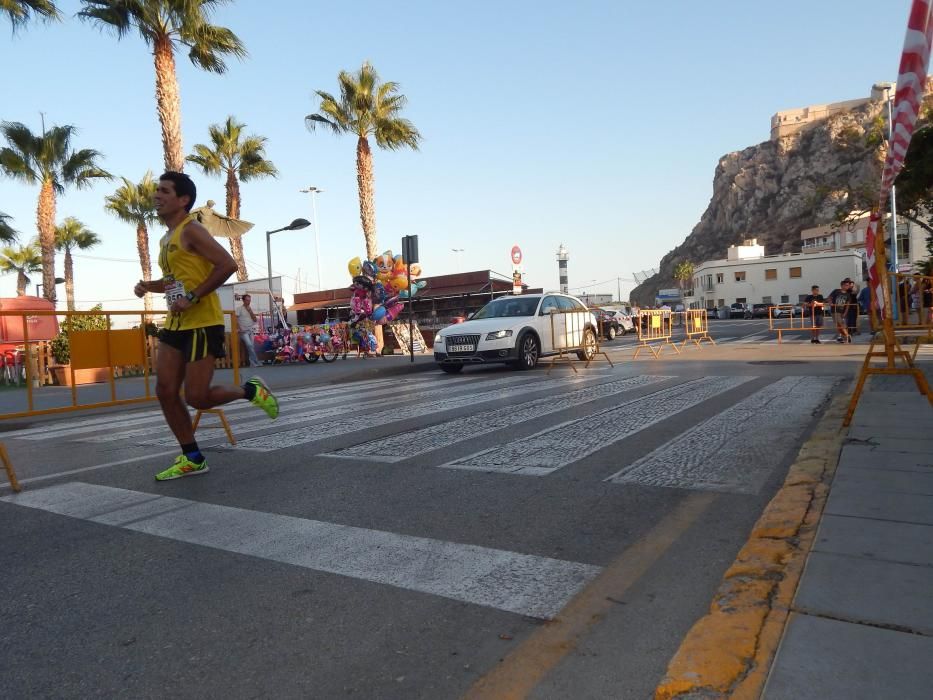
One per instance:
(406, 536)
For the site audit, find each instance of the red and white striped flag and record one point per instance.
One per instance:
(874, 279)
(911, 83)
(908, 96)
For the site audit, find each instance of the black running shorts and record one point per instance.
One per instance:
(196, 343)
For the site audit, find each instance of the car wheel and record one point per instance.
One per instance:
(451, 369)
(589, 345)
(611, 333)
(528, 352)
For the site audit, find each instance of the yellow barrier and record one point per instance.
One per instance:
(223, 422)
(10, 473)
(574, 333)
(107, 352)
(655, 326)
(696, 327)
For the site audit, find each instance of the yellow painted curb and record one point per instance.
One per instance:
(728, 652)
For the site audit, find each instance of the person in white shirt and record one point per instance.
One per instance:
(246, 325)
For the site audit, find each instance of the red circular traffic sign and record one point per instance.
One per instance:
(516, 255)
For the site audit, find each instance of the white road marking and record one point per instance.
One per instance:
(556, 447)
(76, 427)
(321, 406)
(518, 583)
(403, 446)
(95, 467)
(736, 450)
(367, 420)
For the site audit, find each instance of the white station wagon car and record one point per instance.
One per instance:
(518, 330)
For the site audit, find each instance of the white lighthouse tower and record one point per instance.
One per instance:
(562, 257)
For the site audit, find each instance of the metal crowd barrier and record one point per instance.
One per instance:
(107, 354)
(655, 326)
(782, 319)
(696, 327)
(573, 335)
(912, 295)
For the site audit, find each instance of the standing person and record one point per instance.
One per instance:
(193, 266)
(852, 311)
(813, 304)
(840, 299)
(246, 323)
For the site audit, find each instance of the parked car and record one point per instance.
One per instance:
(613, 323)
(625, 321)
(518, 330)
(739, 310)
(760, 310)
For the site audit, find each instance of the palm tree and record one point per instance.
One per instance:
(48, 161)
(240, 158)
(70, 235)
(163, 25)
(21, 259)
(132, 203)
(21, 12)
(367, 107)
(683, 273)
(7, 232)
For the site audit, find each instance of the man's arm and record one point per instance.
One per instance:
(142, 287)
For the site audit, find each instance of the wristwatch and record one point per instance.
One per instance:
(192, 297)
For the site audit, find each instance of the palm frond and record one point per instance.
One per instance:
(111, 14)
(73, 234)
(7, 232)
(396, 133)
(254, 166)
(206, 159)
(21, 12)
(208, 44)
(133, 203)
(81, 169)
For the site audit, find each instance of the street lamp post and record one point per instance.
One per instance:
(58, 280)
(458, 251)
(293, 226)
(317, 245)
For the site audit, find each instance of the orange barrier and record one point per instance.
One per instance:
(898, 300)
(573, 335)
(10, 473)
(106, 353)
(696, 327)
(655, 326)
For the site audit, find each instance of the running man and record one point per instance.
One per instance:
(193, 266)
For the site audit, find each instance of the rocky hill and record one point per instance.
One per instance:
(773, 190)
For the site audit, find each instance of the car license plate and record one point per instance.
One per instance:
(461, 348)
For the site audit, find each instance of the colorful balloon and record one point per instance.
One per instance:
(355, 267)
(369, 269)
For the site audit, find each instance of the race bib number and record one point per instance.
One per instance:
(174, 290)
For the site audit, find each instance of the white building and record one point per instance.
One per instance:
(911, 240)
(749, 276)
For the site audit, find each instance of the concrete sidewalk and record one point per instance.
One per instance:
(861, 624)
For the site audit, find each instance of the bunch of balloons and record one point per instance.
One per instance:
(379, 286)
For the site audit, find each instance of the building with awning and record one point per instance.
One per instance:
(443, 300)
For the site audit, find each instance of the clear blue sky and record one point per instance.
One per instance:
(596, 124)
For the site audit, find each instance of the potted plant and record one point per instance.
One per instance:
(61, 350)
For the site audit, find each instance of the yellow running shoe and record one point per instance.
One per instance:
(182, 467)
(264, 398)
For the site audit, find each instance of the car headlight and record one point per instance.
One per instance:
(499, 335)
(439, 338)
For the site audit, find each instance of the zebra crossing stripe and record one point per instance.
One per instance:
(329, 429)
(404, 446)
(519, 583)
(556, 447)
(87, 425)
(736, 450)
(318, 407)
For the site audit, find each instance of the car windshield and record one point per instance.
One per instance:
(509, 306)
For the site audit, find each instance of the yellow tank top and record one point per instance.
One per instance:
(183, 272)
